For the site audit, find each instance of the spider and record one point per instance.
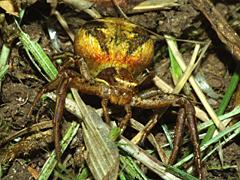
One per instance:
(110, 54)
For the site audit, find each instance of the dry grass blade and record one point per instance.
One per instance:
(196, 88)
(154, 5)
(162, 85)
(187, 72)
(64, 24)
(200, 114)
(152, 163)
(103, 155)
(5, 52)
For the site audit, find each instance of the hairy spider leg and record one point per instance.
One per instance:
(61, 84)
(186, 114)
(192, 127)
(178, 135)
(104, 104)
(58, 113)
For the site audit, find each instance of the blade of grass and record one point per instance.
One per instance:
(175, 69)
(154, 5)
(51, 162)
(220, 145)
(152, 163)
(226, 98)
(204, 85)
(3, 60)
(223, 117)
(131, 168)
(39, 55)
(223, 142)
(168, 135)
(181, 173)
(103, 155)
(122, 176)
(83, 174)
(171, 43)
(211, 141)
(191, 66)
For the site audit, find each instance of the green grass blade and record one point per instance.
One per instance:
(180, 173)
(210, 142)
(225, 141)
(83, 174)
(227, 97)
(230, 90)
(40, 56)
(176, 71)
(230, 114)
(131, 168)
(3, 60)
(168, 135)
(51, 162)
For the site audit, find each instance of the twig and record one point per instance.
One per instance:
(33, 128)
(224, 31)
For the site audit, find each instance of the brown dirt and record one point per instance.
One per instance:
(23, 81)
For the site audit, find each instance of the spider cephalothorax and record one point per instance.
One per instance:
(111, 53)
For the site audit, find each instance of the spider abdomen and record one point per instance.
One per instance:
(114, 42)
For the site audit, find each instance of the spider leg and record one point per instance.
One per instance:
(157, 103)
(187, 113)
(104, 103)
(77, 62)
(127, 117)
(142, 101)
(149, 93)
(192, 126)
(47, 88)
(178, 134)
(59, 108)
(61, 84)
(87, 87)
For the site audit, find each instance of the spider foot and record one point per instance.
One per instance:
(186, 115)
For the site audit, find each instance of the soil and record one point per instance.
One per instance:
(23, 81)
